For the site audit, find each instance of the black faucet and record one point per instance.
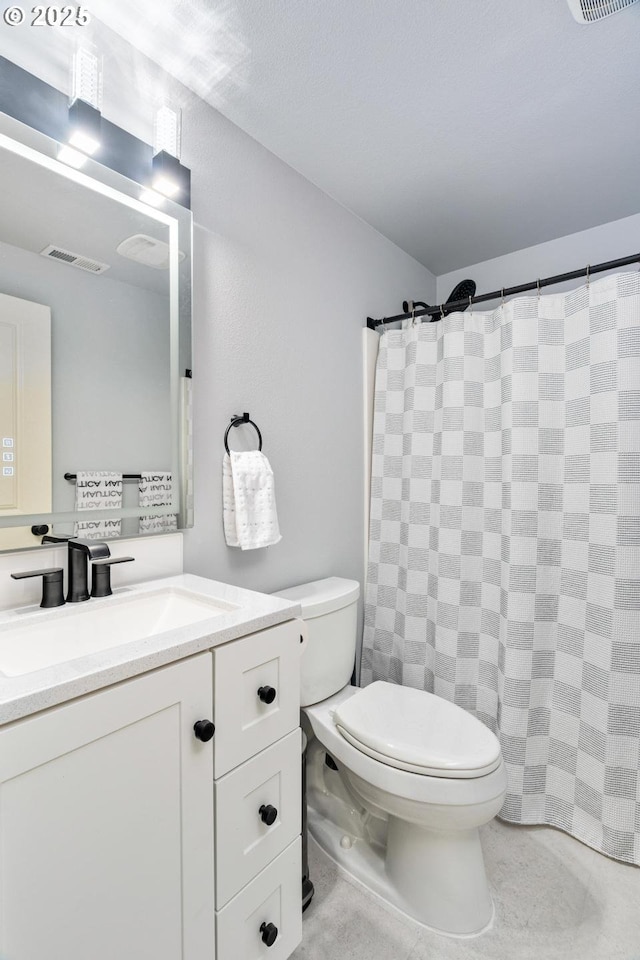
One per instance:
(80, 552)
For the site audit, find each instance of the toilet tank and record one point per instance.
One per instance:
(330, 611)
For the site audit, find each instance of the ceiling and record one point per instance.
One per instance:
(460, 129)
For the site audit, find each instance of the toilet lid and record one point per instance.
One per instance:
(417, 731)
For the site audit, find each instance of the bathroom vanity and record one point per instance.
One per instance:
(150, 795)
(150, 790)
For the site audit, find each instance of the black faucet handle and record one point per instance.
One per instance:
(101, 575)
(49, 538)
(52, 595)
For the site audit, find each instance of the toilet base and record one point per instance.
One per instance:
(436, 902)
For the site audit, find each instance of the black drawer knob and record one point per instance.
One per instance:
(204, 730)
(268, 814)
(267, 694)
(269, 933)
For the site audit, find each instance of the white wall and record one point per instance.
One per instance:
(284, 279)
(610, 241)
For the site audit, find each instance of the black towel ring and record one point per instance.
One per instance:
(235, 422)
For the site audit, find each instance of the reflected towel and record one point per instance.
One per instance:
(98, 490)
(155, 489)
(249, 501)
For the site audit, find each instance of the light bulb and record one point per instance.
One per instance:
(73, 158)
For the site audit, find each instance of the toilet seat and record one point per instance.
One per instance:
(418, 732)
(452, 791)
(414, 768)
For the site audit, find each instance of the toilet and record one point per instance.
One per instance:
(399, 781)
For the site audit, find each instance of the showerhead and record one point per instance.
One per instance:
(462, 291)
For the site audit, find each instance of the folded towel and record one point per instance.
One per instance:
(98, 490)
(155, 489)
(248, 501)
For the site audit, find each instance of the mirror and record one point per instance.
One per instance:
(95, 350)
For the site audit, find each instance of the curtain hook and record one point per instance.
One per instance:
(502, 299)
(588, 273)
(538, 287)
(413, 313)
(470, 305)
(442, 311)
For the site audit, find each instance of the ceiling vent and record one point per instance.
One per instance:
(589, 11)
(143, 249)
(74, 259)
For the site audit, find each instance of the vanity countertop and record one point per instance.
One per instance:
(29, 693)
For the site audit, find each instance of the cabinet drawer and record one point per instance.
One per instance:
(274, 897)
(256, 684)
(245, 843)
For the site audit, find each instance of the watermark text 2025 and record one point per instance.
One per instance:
(66, 16)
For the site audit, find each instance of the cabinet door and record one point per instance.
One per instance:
(106, 824)
(256, 693)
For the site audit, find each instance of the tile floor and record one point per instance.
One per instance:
(555, 899)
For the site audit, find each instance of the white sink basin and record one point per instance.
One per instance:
(46, 639)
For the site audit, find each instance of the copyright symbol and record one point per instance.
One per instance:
(13, 16)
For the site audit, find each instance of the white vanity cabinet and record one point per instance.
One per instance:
(106, 828)
(114, 833)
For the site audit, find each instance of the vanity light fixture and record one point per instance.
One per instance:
(70, 156)
(84, 112)
(152, 197)
(169, 177)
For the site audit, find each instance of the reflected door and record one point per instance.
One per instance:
(25, 415)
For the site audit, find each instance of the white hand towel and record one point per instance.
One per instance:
(98, 490)
(248, 500)
(155, 489)
(228, 504)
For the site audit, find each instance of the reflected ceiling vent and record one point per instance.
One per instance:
(147, 250)
(590, 11)
(74, 259)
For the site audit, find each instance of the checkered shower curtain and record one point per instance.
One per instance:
(504, 566)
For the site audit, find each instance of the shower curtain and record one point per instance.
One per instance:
(504, 557)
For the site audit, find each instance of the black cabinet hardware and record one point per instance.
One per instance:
(204, 730)
(267, 694)
(268, 814)
(269, 933)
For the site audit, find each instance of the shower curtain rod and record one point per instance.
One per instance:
(508, 291)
